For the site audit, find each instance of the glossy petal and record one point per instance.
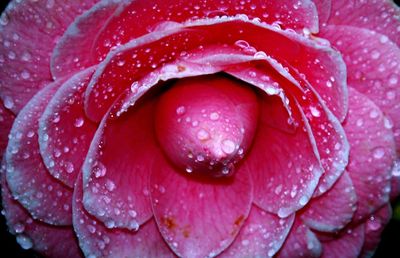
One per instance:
(301, 242)
(381, 16)
(29, 30)
(51, 241)
(159, 48)
(182, 207)
(262, 233)
(144, 16)
(99, 241)
(334, 209)
(373, 64)
(371, 156)
(64, 131)
(6, 121)
(71, 51)
(43, 196)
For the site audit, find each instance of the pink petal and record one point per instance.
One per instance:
(6, 121)
(118, 165)
(395, 182)
(71, 51)
(48, 240)
(324, 10)
(301, 242)
(99, 241)
(380, 16)
(373, 68)
(372, 153)
(144, 16)
(334, 209)
(67, 130)
(159, 48)
(28, 33)
(199, 218)
(374, 227)
(289, 172)
(346, 244)
(43, 196)
(262, 233)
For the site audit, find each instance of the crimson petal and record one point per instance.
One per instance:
(64, 131)
(324, 10)
(43, 196)
(182, 208)
(99, 241)
(6, 121)
(372, 153)
(25, 53)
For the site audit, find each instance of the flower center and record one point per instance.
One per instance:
(205, 125)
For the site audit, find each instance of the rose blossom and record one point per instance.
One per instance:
(199, 128)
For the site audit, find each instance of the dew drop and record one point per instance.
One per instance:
(203, 135)
(228, 146)
(69, 167)
(79, 122)
(24, 241)
(378, 153)
(180, 110)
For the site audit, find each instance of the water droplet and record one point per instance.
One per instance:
(214, 116)
(8, 102)
(110, 185)
(69, 167)
(99, 170)
(315, 112)
(79, 122)
(373, 114)
(24, 241)
(203, 135)
(378, 153)
(375, 54)
(25, 75)
(110, 223)
(180, 110)
(19, 228)
(189, 169)
(228, 146)
(303, 200)
(394, 79)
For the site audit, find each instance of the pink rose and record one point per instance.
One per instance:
(155, 128)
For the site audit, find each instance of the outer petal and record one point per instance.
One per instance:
(64, 131)
(381, 16)
(50, 241)
(144, 16)
(262, 233)
(6, 121)
(320, 64)
(183, 206)
(373, 63)
(371, 156)
(301, 242)
(28, 30)
(71, 51)
(98, 241)
(43, 196)
(334, 209)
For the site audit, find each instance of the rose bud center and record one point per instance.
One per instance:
(205, 125)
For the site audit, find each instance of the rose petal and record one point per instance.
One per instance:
(71, 51)
(374, 227)
(48, 240)
(380, 16)
(262, 233)
(372, 153)
(97, 240)
(64, 131)
(43, 196)
(6, 121)
(28, 31)
(347, 244)
(301, 242)
(117, 168)
(144, 16)
(334, 209)
(395, 182)
(182, 206)
(373, 68)
(324, 10)
(159, 48)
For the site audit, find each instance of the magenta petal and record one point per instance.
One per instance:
(99, 241)
(6, 121)
(372, 153)
(43, 196)
(72, 52)
(381, 16)
(262, 233)
(51, 241)
(286, 178)
(346, 244)
(395, 182)
(117, 168)
(301, 242)
(324, 10)
(199, 218)
(373, 68)
(64, 131)
(28, 31)
(144, 16)
(334, 209)
(374, 227)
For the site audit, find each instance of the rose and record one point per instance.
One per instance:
(201, 128)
